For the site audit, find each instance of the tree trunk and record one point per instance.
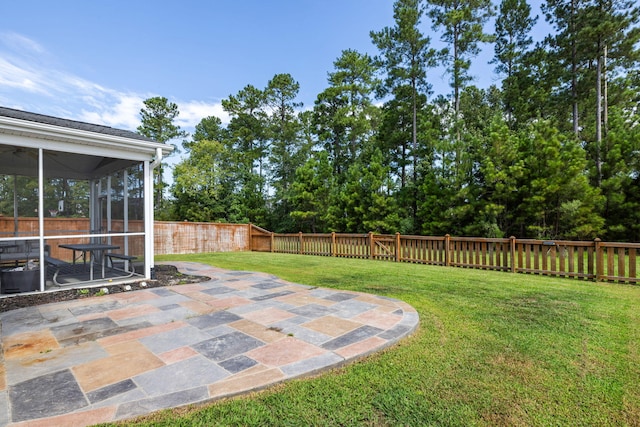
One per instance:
(574, 70)
(605, 100)
(456, 96)
(414, 198)
(415, 132)
(598, 119)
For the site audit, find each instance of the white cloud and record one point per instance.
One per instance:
(31, 80)
(28, 78)
(115, 109)
(20, 65)
(20, 43)
(122, 110)
(192, 112)
(14, 76)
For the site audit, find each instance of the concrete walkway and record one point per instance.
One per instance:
(117, 356)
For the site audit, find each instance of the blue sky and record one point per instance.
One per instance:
(97, 60)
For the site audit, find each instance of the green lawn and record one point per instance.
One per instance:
(492, 349)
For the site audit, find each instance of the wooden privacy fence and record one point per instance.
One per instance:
(29, 227)
(596, 260)
(169, 237)
(199, 237)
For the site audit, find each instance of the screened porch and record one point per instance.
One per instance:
(76, 203)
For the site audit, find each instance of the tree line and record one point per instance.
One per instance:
(550, 151)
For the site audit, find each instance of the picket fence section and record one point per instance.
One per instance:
(583, 260)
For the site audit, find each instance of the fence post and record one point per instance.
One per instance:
(599, 260)
(398, 249)
(512, 241)
(250, 237)
(300, 249)
(371, 245)
(333, 243)
(273, 242)
(447, 240)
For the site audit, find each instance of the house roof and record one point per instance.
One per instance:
(72, 149)
(71, 124)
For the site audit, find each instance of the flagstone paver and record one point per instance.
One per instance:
(257, 330)
(112, 369)
(36, 365)
(52, 394)
(121, 355)
(254, 381)
(269, 315)
(29, 343)
(332, 325)
(284, 352)
(178, 354)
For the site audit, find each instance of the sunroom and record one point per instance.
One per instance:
(76, 203)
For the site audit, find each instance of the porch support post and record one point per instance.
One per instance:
(41, 262)
(109, 207)
(148, 220)
(94, 208)
(125, 197)
(15, 206)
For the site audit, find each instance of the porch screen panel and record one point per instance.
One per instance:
(19, 192)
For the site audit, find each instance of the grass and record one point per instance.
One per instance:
(492, 349)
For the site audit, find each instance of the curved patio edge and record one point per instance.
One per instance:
(123, 355)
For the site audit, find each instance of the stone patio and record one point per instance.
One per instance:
(117, 356)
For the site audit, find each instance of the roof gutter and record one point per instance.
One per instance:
(29, 130)
(156, 162)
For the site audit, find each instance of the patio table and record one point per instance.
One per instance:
(92, 248)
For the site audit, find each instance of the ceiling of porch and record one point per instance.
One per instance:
(57, 164)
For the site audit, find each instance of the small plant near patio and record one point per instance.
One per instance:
(102, 292)
(83, 291)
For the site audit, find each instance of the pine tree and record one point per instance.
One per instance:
(310, 193)
(462, 24)
(157, 122)
(405, 56)
(513, 41)
(285, 156)
(611, 40)
(344, 113)
(247, 131)
(363, 203)
(204, 181)
(557, 200)
(462, 30)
